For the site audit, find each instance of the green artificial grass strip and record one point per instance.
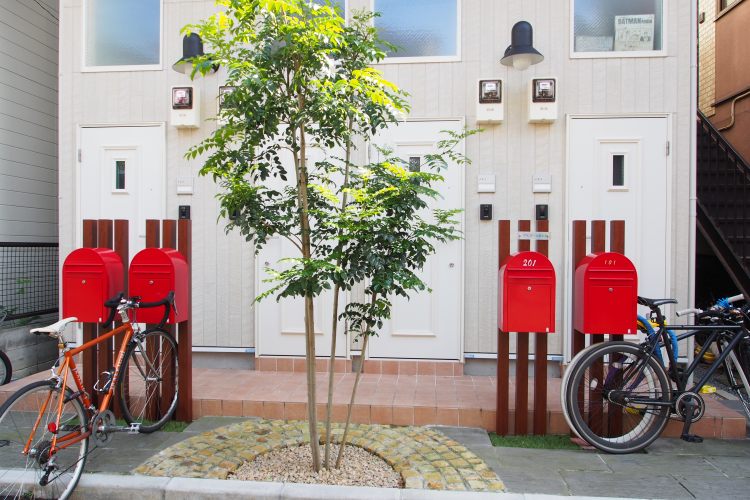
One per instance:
(537, 442)
(169, 426)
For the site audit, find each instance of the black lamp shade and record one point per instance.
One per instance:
(192, 46)
(521, 52)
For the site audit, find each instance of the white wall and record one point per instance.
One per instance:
(514, 150)
(28, 121)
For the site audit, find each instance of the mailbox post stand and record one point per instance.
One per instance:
(178, 234)
(617, 245)
(526, 302)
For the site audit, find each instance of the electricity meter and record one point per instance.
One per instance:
(185, 107)
(490, 101)
(542, 101)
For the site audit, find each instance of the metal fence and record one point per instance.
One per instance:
(28, 280)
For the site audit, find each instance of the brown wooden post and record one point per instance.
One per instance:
(503, 341)
(522, 357)
(153, 240)
(104, 350)
(596, 405)
(540, 352)
(169, 240)
(616, 244)
(122, 248)
(579, 252)
(90, 239)
(185, 337)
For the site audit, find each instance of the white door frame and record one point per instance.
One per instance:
(79, 145)
(461, 226)
(567, 329)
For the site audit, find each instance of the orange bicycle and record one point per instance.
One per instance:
(45, 427)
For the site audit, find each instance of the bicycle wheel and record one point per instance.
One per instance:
(148, 380)
(737, 366)
(6, 369)
(37, 474)
(564, 383)
(618, 398)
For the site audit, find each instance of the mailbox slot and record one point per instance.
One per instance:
(154, 272)
(526, 298)
(606, 295)
(90, 276)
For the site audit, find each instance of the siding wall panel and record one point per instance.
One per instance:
(513, 150)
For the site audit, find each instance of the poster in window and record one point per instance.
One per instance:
(634, 32)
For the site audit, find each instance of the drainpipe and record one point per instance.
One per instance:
(693, 159)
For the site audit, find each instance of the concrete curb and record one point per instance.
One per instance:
(117, 487)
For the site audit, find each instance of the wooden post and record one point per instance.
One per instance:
(540, 352)
(104, 350)
(596, 405)
(579, 252)
(616, 244)
(122, 248)
(503, 341)
(185, 337)
(90, 240)
(169, 240)
(522, 357)
(153, 240)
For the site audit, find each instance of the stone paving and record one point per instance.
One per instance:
(424, 457)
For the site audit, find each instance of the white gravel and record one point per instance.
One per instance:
(294, 465)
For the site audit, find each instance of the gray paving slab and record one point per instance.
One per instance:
(708, 447)
(542, 461)
(728, 488)
(468, 436)
(623, 485)
(518, 480)
(638, 464)
(734, 467)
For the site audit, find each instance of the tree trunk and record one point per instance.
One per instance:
(309, 311)
(354, 393)
(334, 327)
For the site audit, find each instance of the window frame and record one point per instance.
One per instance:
(428, 59)
(129, 67)
(622, 53)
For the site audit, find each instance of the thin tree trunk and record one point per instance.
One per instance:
(354, 392)
(334, 326)
(309, 310)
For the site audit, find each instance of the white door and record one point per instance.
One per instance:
(430, 324)
(122, 177)
(618, 169)
(281, 324)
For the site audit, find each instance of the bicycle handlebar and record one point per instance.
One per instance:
(134, 302)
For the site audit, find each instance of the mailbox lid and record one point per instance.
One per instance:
(526, 298)
(154, 272)
(90, 276)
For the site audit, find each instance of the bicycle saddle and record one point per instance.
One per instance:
(655, 302)
(55, 328)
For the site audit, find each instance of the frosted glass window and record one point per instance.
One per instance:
(618, 170)
(617, 25)
(120, 175)
(419, 28)
(123, 32)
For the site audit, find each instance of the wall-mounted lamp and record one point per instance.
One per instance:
(192, 47)
(521, 52)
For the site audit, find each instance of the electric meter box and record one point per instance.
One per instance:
(542, 100)
(490, 101)
(185, 106)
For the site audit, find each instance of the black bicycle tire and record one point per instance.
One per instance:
(740, 389)
(605, 443)
(127, 413)
(83, 453)
(5, 360)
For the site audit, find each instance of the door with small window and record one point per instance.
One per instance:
(121, 176)
(618, 169)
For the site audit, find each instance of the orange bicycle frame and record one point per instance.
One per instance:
(69, 366)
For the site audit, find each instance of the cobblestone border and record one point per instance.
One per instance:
(424, 457)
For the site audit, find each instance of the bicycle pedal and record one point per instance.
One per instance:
(691, 438)
(133, 428)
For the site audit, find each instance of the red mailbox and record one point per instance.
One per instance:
(606, 294)
(154, 272)
(526, 299)
(90, 277)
